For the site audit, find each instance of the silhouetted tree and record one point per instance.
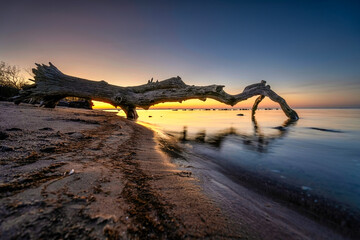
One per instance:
(51, 85)
(10, 76)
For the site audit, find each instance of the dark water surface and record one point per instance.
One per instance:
(319, 154)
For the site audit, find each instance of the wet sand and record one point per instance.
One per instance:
(122, 187)
(86, 174)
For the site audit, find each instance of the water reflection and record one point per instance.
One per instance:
(319, 153)
(256, 141)
(184, 135)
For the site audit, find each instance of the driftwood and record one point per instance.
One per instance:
(51, 85)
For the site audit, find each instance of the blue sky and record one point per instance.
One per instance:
(308, 51)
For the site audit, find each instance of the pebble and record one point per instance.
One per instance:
(77, 135)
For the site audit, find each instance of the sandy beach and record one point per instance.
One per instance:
(180, 120)
(89, 174)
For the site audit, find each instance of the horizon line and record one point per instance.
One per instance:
(237, 108)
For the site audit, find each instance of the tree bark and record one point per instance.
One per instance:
(51, 85)
(256, 104)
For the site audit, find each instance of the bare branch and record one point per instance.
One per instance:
(51, 85)
(10, 76)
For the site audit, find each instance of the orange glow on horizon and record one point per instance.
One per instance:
(304, 100)
(101, 105)
(194, 103)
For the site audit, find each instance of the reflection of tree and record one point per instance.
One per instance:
(257, 141)
(184, 134)
(200, 136)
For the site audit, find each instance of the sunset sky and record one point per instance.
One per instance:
(308, 51)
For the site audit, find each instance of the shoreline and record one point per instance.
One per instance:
(123, 186)
(84, 174)
(259, 200)
(326, 211)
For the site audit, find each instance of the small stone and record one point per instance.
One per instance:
(77, 135)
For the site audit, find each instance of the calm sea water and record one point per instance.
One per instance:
(319, 154)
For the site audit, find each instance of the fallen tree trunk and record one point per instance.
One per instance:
(51, 85)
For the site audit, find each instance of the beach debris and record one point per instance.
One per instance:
(77, 135)
(239, 114)
(97, 189)
(72, 171)
(82, 120)
(184, 173)
(91, 198)
(32, 157)
(3, 135)
(51, 85)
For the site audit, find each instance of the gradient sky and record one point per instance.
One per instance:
(308, 51)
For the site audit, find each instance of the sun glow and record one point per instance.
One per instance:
(195, 103)
(295, 101)
(101, 105)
